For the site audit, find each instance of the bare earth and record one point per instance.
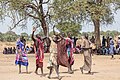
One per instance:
(103, 68)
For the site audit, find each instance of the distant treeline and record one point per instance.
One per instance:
(105, 33)
(11, 36)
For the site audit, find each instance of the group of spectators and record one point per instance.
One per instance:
(9, 50)
(12, 50)
(108, 46)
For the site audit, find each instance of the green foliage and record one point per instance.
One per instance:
(52, 33)
(105, 33)
(67, 27)
(110, 33)
(1, 36)
(25, 35)
(65, 16)
(10, 36)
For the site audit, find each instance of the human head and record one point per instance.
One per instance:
(103, 37)
(63, 34)
(110, 37)
(54, 38)
(21, 38)
(69, 34)
(38, 36)
(86, 36)
(92, 36)
(119, 37)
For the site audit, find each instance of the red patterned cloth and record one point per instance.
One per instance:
(62, 56)
(71, 59)
(39, 53)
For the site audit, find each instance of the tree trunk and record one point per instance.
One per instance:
(44, 27)
(97, 32)
(42, 20)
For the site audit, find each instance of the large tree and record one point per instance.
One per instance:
(69, 27)
(64, 16)
(19, 11)
(99, 12)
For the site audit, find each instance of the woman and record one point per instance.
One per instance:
(21, 56)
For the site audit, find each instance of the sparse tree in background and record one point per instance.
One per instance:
(1, 37)
(10, 36)
(69, 27)
(20, 11)
(99, 12)
(25, 35)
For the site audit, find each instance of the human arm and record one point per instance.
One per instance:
(35, 50)
(34, 29)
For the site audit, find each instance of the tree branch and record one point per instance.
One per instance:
(46, 2)
(17, 23)
(32, 16)
(31, 6)
(41, 2)
(47, 13)
(36, 2)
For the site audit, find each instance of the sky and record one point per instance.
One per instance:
(4, 27)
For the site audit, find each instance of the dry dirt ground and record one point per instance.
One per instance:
(103, 68)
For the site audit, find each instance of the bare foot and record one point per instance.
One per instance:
(70, 72)
(81, 70)
(36, 72)
(89, 72)
(49, 77)
(59, 78)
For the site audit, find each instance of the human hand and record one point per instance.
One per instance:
(34, 29)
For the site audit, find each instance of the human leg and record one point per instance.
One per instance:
(36, 70)
(42, 70)
(27, 69)
(19, 68)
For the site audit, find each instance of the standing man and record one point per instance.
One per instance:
(87, 55)
(39, 51)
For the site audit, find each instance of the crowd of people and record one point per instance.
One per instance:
(12, 50)
(9, 50)
(61, 51)
(109, 46)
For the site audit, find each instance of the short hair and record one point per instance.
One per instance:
(86, 35)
